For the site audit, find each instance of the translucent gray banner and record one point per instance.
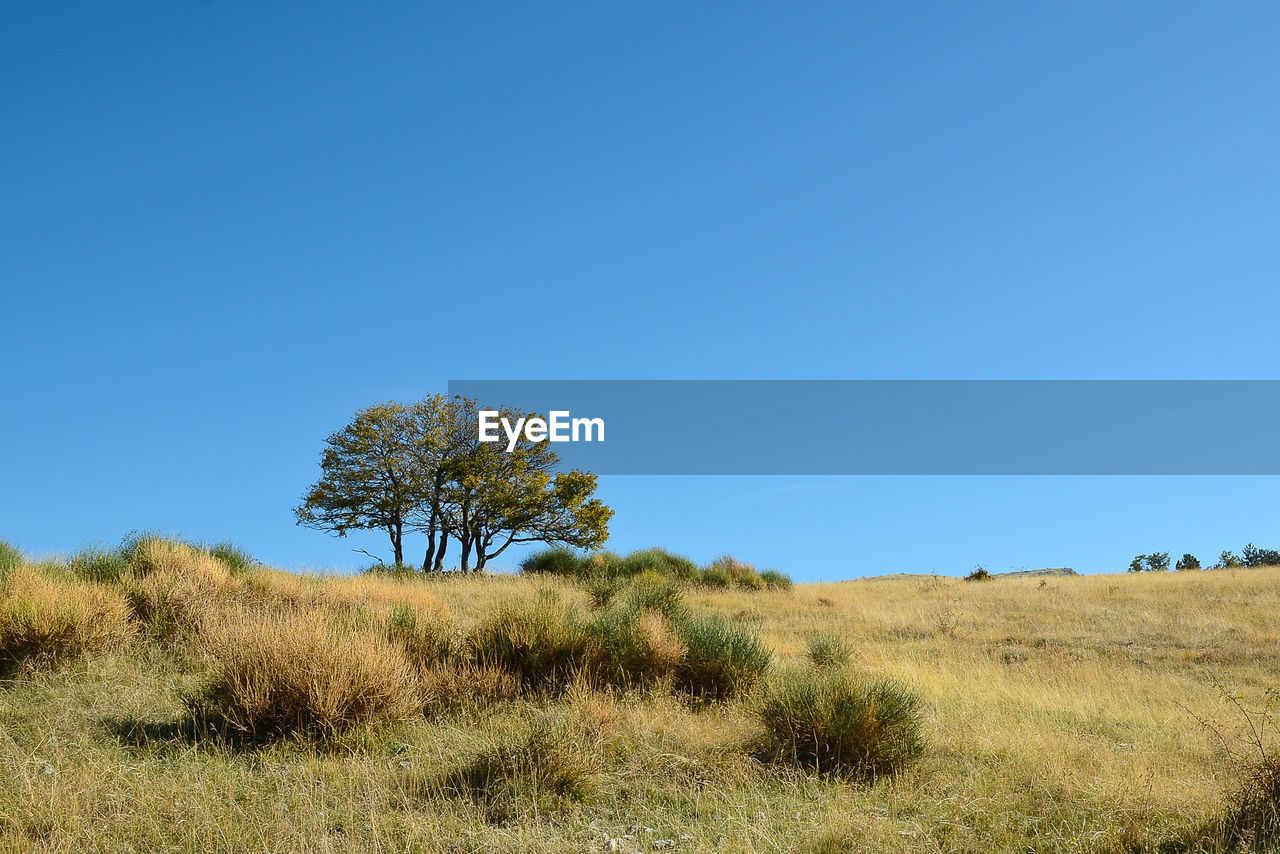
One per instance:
(906, 427)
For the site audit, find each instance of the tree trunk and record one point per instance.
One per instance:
(444, 545)
(429, 561)
(396, 530)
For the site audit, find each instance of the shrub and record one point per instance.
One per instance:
(655, 592)
(775, 580)
(44, 623)
(276, 673)
(1228, 560)
(828, 650)
(1253, 818)
(657, 560)
(740, 574)
(10, 558)
(1187, 561)
(602, 588)
(715, 577)
(541, 643)
(840, 723)
(546, 770)
(722, 659)
(979, 574)
(554, 561)
(1154, 562)
(634, 647)
(99, 565)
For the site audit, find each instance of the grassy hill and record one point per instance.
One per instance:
(178, 701)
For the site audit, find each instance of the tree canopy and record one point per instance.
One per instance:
(420, 467)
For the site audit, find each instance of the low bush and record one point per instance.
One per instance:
(541, 642)
(655, 592)
(715, 577)
(775, 580)
(1253, 817)
(828, 650)
(634, 648)
(547, 769)
(739, 574)
(722, 660)
(840, 723)
(44, 622)
(602, 588)
(296, 671)
(554, 561)
(656, 560)
(979, 574)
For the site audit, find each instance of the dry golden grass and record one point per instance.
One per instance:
(302, 671)
(1061, 716)
(44, 621)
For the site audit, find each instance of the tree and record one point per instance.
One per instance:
(1228, 560)
(421, 467)
(1158, 561)
(498, 498)
(1188, 561)
(368, 479)
(1138, 564)
(1254, 556)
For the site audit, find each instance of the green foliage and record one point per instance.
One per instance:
(775, 580)
(236, 558)
(657, 560)
(828, 650)
(1154, 562)
(739, 574)
(1228, 560)
(656, 592)
(715, 577)
(841, 723)
(722, 660)
(545, 770)
(1253, 556)
(1188, 561)
(557, 560)
(99, 565)
(10, 558)
(633, 648)
(540, 642)
(601, 588)
(979, 574)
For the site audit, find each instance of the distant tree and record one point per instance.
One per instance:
(368, 480)
(421, 467)
(1227, 560)
(499, 498)
(1138, 564)
(1188, 561)
(979, 574)
(1254, 556)
(1158, 562)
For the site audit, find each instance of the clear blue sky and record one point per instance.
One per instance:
(225, 226)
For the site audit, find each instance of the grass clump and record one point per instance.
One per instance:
(775, 580)
(98, 565)
(722, 660)
(453, 687)
(44, 623)
(234, 557)
(541, 642)
(841, 723)
(829, 650)
(634, 648)
(10, 558)
(546, 770)
(425, 636)
(1253, 818)
(173, 587)
(275, 674)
